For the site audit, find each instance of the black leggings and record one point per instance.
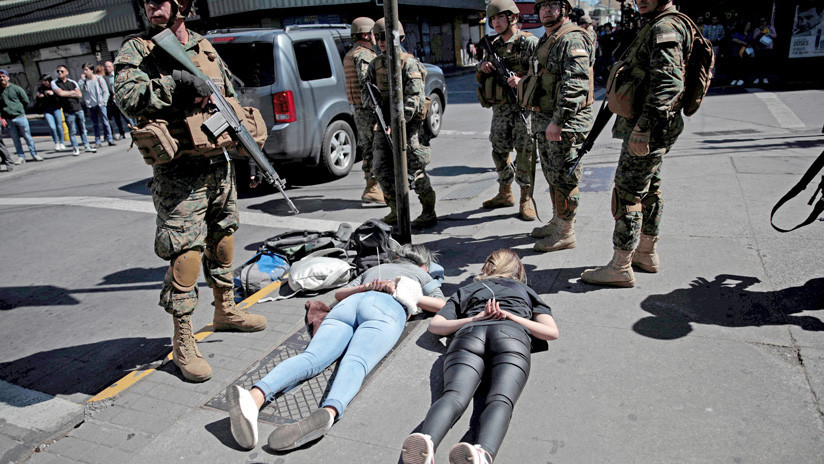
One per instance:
(505, 351)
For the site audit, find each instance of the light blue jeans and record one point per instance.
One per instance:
(19, 127)
(365, 325)
(55, 120)
(100, 117)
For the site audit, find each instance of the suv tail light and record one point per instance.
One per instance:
(284, 105)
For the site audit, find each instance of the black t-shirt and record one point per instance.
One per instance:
(471, 299)
(48, 102)
(69, 104)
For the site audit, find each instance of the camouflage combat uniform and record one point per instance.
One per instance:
(566, 100)
(194, 195)
(413, 75)
(360, 57)
(508, 129)
(638, 178)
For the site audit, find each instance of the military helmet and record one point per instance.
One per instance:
(567, 5)
(380, 28)
(177, 10)
(362, 25)
(501, 6)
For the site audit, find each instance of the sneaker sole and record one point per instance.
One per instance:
(243, 429)
(291, 436)
(416, 450)
(463, 454)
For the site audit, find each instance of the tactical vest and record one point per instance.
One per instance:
(382, 78)
(539, 90)
(353, 85)
(492, 91)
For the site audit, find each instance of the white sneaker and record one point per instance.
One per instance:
(765, 81)
(756, 81)
(418, 449)
(91, 149)
(76, 152)
(56, 147)
(739, 83)
(291, 436)
(464, 453)
(62, 147)
(243, 415)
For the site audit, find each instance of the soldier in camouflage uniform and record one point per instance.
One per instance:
(661, 48)
(413, 76)
(194, 193)
(509, 130)
(355, 65)
(559, 91)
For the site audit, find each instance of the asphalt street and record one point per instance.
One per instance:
(718, 358)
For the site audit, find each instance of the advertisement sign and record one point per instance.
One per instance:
(808, 28)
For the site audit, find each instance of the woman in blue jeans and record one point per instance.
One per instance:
(363, 327)
(492, 320)
(49, 103)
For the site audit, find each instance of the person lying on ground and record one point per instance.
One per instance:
(363, 327)
(492, 320)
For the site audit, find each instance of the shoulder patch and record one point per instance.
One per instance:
(666, 37)
(415, 75)
(578, 52)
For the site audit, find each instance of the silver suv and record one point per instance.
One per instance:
(295, 77)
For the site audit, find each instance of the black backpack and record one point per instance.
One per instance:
(372, 243)
(297, 244)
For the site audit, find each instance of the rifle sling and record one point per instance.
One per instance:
(808, 176)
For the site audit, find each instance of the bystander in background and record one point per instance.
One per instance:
(49, 104)
(13, 102)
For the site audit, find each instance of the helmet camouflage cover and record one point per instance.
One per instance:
(501, 6)
(380, 28)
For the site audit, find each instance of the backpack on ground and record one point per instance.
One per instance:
(315, 273)
(372, 243)
(296, 245)
(255, 274)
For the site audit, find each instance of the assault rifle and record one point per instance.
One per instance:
(502, 74)
(604, 115)
(223, 115)
(376, 107)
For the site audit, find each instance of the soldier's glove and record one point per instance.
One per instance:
(639, 143)
(190, 84)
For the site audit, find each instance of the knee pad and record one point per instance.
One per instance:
(185, 269)
(224, 250)
(623, 203)
(563, 205)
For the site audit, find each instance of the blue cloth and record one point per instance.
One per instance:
(73, 119)
(100, 117)
(55, 119)
(365, 326)
(19, 127)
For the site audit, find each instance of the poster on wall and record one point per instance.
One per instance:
(808, 29)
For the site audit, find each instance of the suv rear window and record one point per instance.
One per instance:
(253, 63)
(313, 61)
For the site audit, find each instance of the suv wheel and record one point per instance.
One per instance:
(339, 149)
(433, 119)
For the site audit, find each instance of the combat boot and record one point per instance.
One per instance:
(428, 218)
(392, 217)
(645, 256)
(503, 199)
(527, 210)
(229, 317)
(547, 229)
(373, 193)
(618, 273)
(185, 354)
(562, 238)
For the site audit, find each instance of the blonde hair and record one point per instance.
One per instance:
(503, 263)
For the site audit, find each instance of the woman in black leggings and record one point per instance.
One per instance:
(492, 319)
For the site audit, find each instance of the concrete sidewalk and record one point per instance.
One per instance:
(717, 358)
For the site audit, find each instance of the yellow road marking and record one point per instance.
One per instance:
(132, 377)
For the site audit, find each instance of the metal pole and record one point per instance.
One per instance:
(398, 124)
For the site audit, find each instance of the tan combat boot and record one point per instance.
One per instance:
(373, 193)
(392, 217)
(503, 199)
(562, 238)
(527, 211)
(185, 354)
(617, 273)
(230, 317)
(547, 229)
(645, 256)
(428, 218)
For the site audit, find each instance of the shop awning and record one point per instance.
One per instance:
(113, 20)
(227, 7)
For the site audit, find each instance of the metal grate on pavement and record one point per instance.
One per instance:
(299, 401)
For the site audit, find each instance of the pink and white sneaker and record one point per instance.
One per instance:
(418, 449)
(464, 453)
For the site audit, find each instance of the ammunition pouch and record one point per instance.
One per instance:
(625, 89)
(155, 142)
(253, 121)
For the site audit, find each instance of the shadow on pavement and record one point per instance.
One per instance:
(451, 171)
(221, 430)
(308, 204)
(85, 368)
(725, 301)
